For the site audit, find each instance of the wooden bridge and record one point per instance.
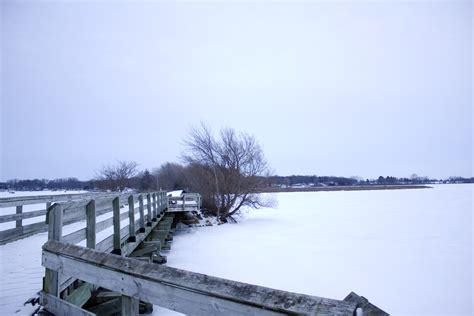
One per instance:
(114, 264)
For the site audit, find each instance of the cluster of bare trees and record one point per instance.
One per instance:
(226, 170)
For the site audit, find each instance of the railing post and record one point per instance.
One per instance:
(117, 241)
(90, 224)
(155, 214)
(55, 216)
(19, 210)
(184, 200)
(160, 203)
(48, 205)
(131, 217)
(148, 207)
(55, 231)
(142, 213)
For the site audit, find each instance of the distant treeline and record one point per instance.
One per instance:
(145, 181)
(300, 180)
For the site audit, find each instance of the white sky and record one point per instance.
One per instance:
(328, 88)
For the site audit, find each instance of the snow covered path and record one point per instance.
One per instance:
(407, 251)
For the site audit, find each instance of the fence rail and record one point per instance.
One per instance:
(75, 203)
(184, 291)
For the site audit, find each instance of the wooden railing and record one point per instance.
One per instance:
(14, 228)
(18, 229)
(122, 239)
(183, 291)
(104, 264)
(185, 202)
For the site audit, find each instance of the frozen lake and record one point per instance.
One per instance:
(408, 251)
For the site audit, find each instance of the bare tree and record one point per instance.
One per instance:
(170, 176)
(231, 168)
(116, 177)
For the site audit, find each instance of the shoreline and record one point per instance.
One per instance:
(346, 188)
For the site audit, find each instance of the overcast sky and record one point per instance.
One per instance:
(328, 88)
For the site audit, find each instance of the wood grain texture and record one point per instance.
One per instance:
(180, 290)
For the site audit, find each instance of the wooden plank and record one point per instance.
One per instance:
(106, 245)
(367, 308)
(131, 217)
(57, 306)
(40, 199)
(90, 224)
(81, 295)
(154, 206)
(12, 234)
(146, 250)
(19, 216)
(180, 290)
(148, 206)
(129, 306)
(159, 203)
(75, 237)
(110, 307)
(55, 228)
(19, 210)
(142, 213)
(80, 235)
(117, 240)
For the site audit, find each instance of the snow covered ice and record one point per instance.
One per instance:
(408, 251)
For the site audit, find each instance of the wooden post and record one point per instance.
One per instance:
(154, 207)
(129, 306)
(166, 201)
(19, 210)
(55, 228)
(184, 200)
(131, 218)
(48, 205)
(142, 214)
(90, 224)
(55, 232)
(117, 242)
(148, 207)
(160, 203)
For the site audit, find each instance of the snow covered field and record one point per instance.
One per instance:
(407, 251)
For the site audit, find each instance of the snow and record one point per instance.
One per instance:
(408, 251)
(176, 193)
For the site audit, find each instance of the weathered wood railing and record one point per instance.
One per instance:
(185, 202)
(122, 233)
(184, 291)
(13, 224)
(135, 280)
